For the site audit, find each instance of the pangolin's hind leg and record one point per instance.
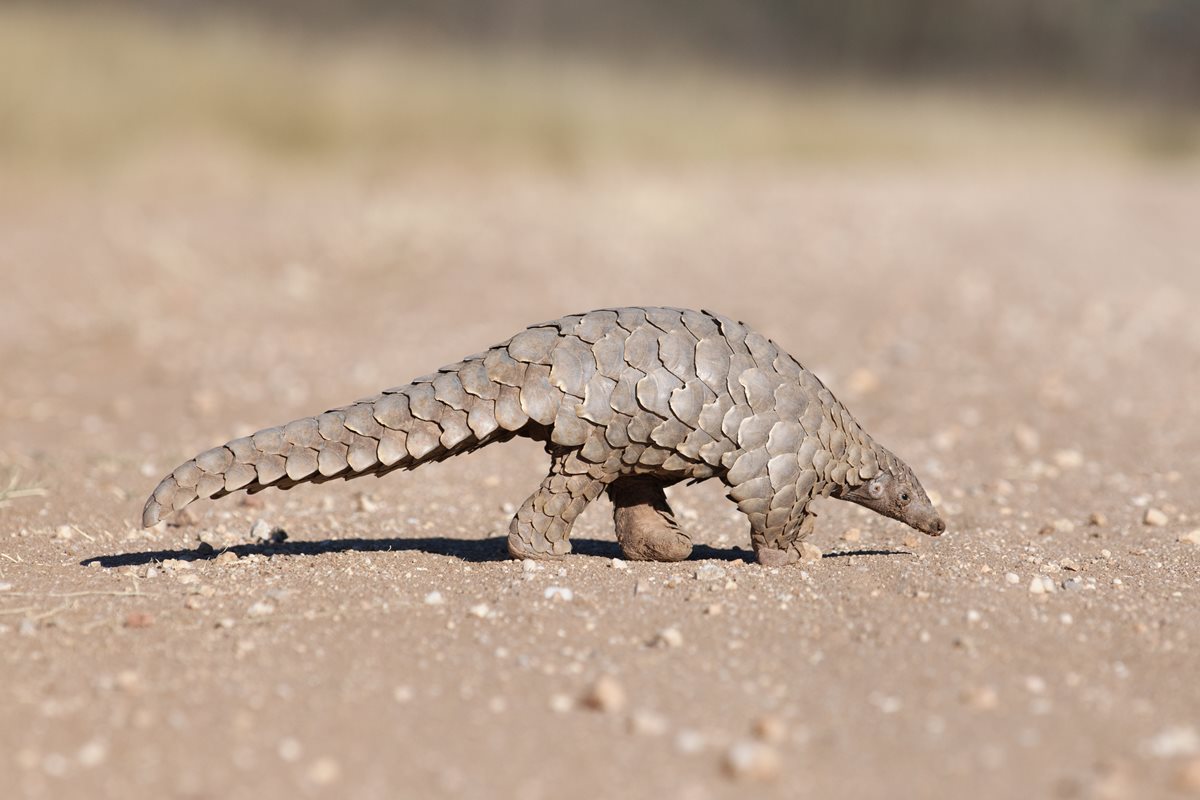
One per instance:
(646, 528)
(542, 526)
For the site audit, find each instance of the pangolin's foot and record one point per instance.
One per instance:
(646, 528)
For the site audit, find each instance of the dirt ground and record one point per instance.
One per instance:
(1028, 341)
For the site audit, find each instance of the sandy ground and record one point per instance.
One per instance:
(1029, 343)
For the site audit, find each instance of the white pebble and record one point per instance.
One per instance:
(261, 609)
(606, 695)
(529, 565)
(289, 749)
(752, 761)
(479, 610)
(1155, 517)
(619, 564)
(1012, 577)
(93, 753)
(434, 599)
(558, 593)
(689, 742)
(668, 637)
(647, 723)
(1174, 742)
(560, 703)
(710, 572)
(1193, 537)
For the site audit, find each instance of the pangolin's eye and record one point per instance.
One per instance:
(904, 497)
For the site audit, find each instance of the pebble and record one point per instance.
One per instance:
(289, 749)
(1027, 438)
(1187, 780)
(689, 742)
(558, 593)
(93, 754)
(852, 535)
(1068, 459)
(367, 504)
(265, 533)
(752, 761)
(714, 609)
(434, 599)
(227, 557)
(402, 694)
(617, 563)
(647, 723)
(324, 771)
(1193, 538)
(560, 703)
(528, 565)
(139, 619)
(605, 695)
(983, 698)
(770, 729)
(809, 552)
(261, 609)
(1175, 742)
(710, 572)
(1012, 577)
(480, 610)
(1154, 517)
(668, 637)
(5, 587)
(1042, 584)
(1097, 520)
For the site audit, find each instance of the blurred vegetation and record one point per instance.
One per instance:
(572, 83)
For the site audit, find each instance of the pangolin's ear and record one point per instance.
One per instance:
(875, 488)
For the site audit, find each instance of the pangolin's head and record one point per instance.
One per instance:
(895, 492)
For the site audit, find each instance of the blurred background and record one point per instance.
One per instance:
(569, 84)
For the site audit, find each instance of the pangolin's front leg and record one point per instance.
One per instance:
(542, 526)
(646, 528)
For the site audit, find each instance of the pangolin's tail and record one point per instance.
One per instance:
(460, 408)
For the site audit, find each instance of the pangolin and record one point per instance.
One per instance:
(627, 401)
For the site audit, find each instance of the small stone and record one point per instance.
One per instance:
(1042, 584)
(809, 552)
(139, 619)
(367, 504)
(689, 742)
(852, 535)
(1069, 565)
(480, 610)
(265, 533)
(558, 593)
(528, 565)
(560, 703)
(6, 587)
(710, 572)
(227, 557)
(605, 695)
(289, 749)
(324, 771)
(647, 723)
(618, 563)
(714, 609)
(402, 694)
(1068, 459)
(434, 599)
(1097, 520)
(668, 637)
(770, 729)
(1012, 578)
(1175, 742)
(1191, 538)
(911, 540)
(508, 508)
(261, 609)
(1063, 525)
(752, 761)
(983, 698)
(1154, 517)
(1027, 438)
(1187, 780)
(93, 754)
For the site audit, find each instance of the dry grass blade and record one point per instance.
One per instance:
(15, 492)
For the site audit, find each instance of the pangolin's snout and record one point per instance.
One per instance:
(936, 527)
